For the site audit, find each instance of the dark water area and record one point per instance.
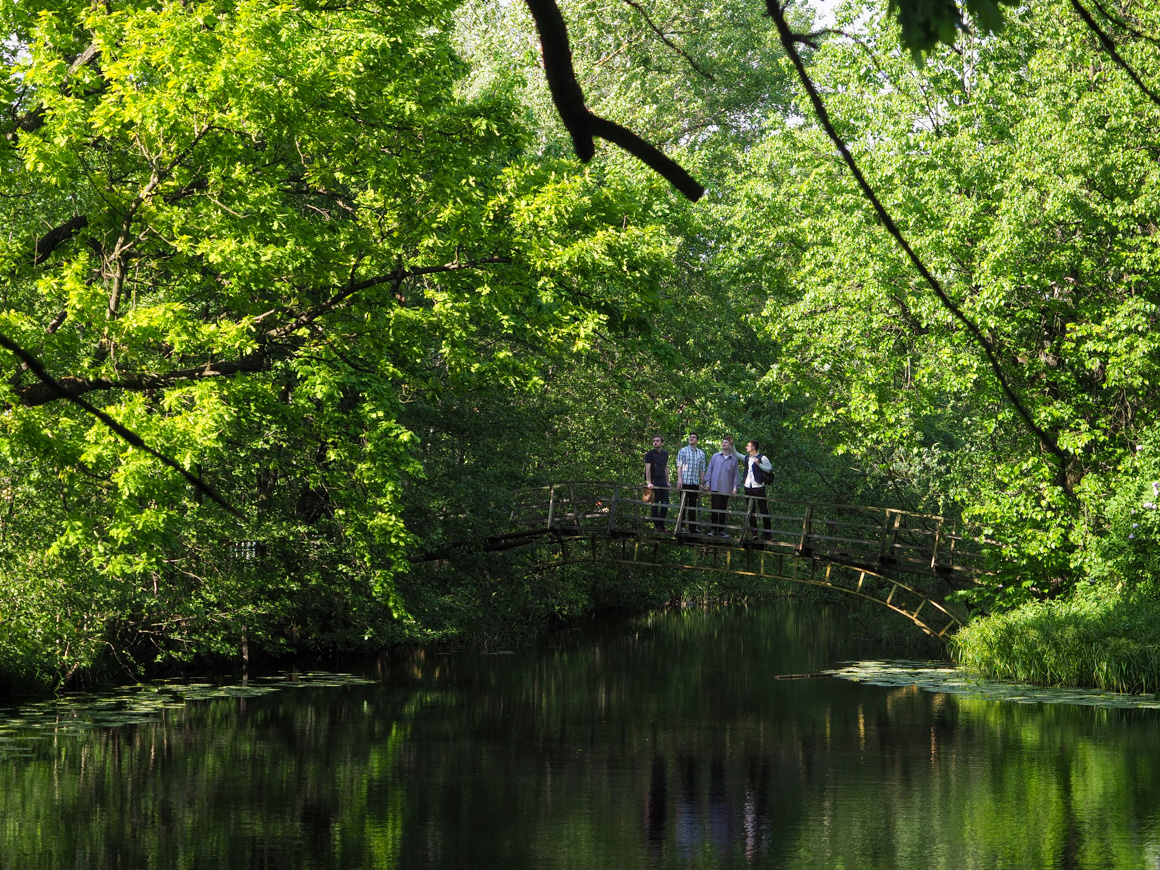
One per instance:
(651, 742)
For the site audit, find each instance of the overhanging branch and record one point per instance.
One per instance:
(123, 432)
(788, 41)
(582, 125)
(1109, 46)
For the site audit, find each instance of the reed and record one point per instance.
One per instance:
(1099, 638)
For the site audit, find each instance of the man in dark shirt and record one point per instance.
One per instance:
(656, 478)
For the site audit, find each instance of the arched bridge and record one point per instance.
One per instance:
(905, 561)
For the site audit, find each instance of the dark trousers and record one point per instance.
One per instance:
(691, 493)
(759, 506)
(720, 504)
(660, 508)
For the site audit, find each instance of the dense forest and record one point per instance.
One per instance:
(327, 283)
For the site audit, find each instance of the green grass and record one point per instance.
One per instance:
(1100, 637)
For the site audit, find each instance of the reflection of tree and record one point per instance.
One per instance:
(656, 807)
(662, 741)
(279, 781)
(995, 784)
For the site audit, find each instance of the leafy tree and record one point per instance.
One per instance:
(1020, 172)
(253, 235)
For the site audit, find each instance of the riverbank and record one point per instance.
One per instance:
(1100, 637)
(447, 607)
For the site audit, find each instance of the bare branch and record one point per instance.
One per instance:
(649, 155)
(668, 41)
(580, 123)
(566, 92)
(1110, 47)
(1048, 443)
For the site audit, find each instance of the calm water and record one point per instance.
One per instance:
(663, 741)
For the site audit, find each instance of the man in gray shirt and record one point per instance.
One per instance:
(724, 479)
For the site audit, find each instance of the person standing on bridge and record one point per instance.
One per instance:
(691, 474)
(656, 478)
(724, 476)
(758, 472)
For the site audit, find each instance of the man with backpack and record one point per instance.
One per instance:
(758, 472)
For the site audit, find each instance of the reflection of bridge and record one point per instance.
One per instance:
(853, 549)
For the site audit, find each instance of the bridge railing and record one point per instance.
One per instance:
(879, 538)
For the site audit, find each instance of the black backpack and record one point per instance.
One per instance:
(760, 477)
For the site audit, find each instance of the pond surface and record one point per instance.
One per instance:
(660, 741)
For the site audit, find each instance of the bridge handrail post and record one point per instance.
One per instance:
(612, 509)
(551, 506)
(889, 536)
(937, 541)
(575, 512)
(806, 520)
(680, 512)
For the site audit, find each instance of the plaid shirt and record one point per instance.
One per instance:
(691, 462)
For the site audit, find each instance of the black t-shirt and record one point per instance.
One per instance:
(659, 460)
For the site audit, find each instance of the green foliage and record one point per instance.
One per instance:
(354, 280)
(261, 236)
(1019, 177)
(926, 23)
(1124, 546)
(1097, 637)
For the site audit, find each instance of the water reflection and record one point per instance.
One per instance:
(656, 742)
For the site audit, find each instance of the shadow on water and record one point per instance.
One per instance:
(659, 741)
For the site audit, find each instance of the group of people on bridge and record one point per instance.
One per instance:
(726, 474)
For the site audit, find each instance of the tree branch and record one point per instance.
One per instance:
(1110, 47)
(649, 155)
(396, 276)
(648, 20)
(1124, 24)
(126, 434)
(565, 90)
(56, 237)
(273, 344)
(580, 123)
(69, 387)
(33, 119)
(1048, 443)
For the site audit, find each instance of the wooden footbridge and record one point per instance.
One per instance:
(907, 562)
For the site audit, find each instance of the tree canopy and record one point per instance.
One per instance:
(341, 267)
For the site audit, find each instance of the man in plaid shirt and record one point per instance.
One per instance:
(691, 464)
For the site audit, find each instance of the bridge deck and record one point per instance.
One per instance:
(872, 538)
(844, 547)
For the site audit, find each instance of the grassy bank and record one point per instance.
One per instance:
(1099, 637)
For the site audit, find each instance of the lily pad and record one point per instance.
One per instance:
(944, 678)
(142, 705)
